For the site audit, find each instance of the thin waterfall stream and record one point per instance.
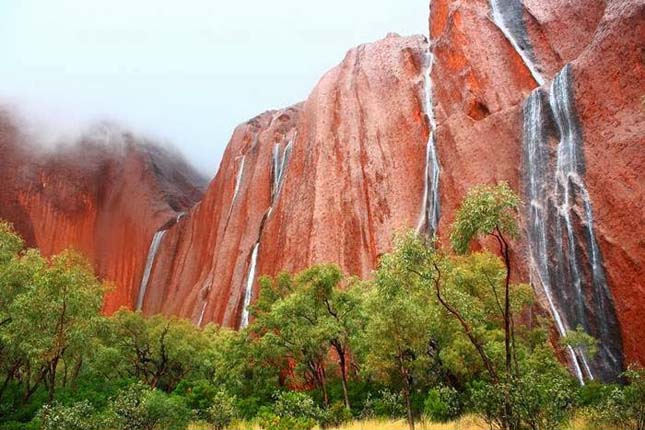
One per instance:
(152, 253)
(508, 16)
(429, 218)
(279, 163)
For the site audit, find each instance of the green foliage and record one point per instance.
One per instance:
(619, 407)
(581, 341)
(78, 416)
(442, 404)
(160, 351)
(223, 410)
(290, 411)
(49, 313)
(299, 319)
(335, 415)
(487, 209)
(385, 404)
(139, 407)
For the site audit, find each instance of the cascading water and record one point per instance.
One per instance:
(238, 178)
(152, 252)
(248, 292)
(280, 160)
(429, 218)
(565, 265)
(536, 156)
(508, 15)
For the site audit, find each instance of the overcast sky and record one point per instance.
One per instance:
(184, 71)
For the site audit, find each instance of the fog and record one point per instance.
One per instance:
(182, 72)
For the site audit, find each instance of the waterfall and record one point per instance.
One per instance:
(238, 179)
(536, 158)
(508, 15)
(565, 265)
(280, 160)
(248, 292)
(152, 252)
(429, 218)
(201, 314)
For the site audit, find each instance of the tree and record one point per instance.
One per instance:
(223, 411)
(160, 351)
(140, 407)
(301, 318)
(48, 313)
(399, 328)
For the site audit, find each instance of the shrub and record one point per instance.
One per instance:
(78, 416)
(621, 408)
(290, 411)
(387, 405)
(223, 410)
(141, 408)
(442, 404)
(336, 415)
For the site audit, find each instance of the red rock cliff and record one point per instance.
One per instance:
(357, 162)
(104, 195)
(545, 95)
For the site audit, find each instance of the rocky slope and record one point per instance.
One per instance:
(353, 175)
(581, 212)
(545, 95)
(366, 161)
(104, 195)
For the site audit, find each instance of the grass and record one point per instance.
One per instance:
(467, 423)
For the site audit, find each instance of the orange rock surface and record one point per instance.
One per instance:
(104, 195)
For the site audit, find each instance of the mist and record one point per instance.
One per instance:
(184, 73)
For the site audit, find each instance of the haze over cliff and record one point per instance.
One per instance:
(544, 95)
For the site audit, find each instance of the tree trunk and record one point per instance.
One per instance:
(342, 363)
(408, 406)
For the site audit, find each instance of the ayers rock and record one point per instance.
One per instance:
(105, 194)
(546, 95)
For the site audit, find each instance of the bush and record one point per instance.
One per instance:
(621, 408)
(386, 405)
(442, 404)
(223, 410)
(537, 400)
(141, 408)
(290, 411)
(79, 416)
(336, 415)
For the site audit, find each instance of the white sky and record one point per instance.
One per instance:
(185, 71)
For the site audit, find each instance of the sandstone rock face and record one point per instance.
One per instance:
(353, 178)
(104, 195)
(543, 94)
(488, 57)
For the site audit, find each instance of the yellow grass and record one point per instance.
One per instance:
(463, 424)
(466, 423)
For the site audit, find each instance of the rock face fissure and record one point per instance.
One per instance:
(152, 252)
(429, 218)
(248, 292)
(508, 15)
(564, 254)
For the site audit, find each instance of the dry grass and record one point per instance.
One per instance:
(463, 424)
(466, 423)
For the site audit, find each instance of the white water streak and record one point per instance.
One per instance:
(429, 218)
(152, 252)
(502, 17)
(537, 165)
(248, 292)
